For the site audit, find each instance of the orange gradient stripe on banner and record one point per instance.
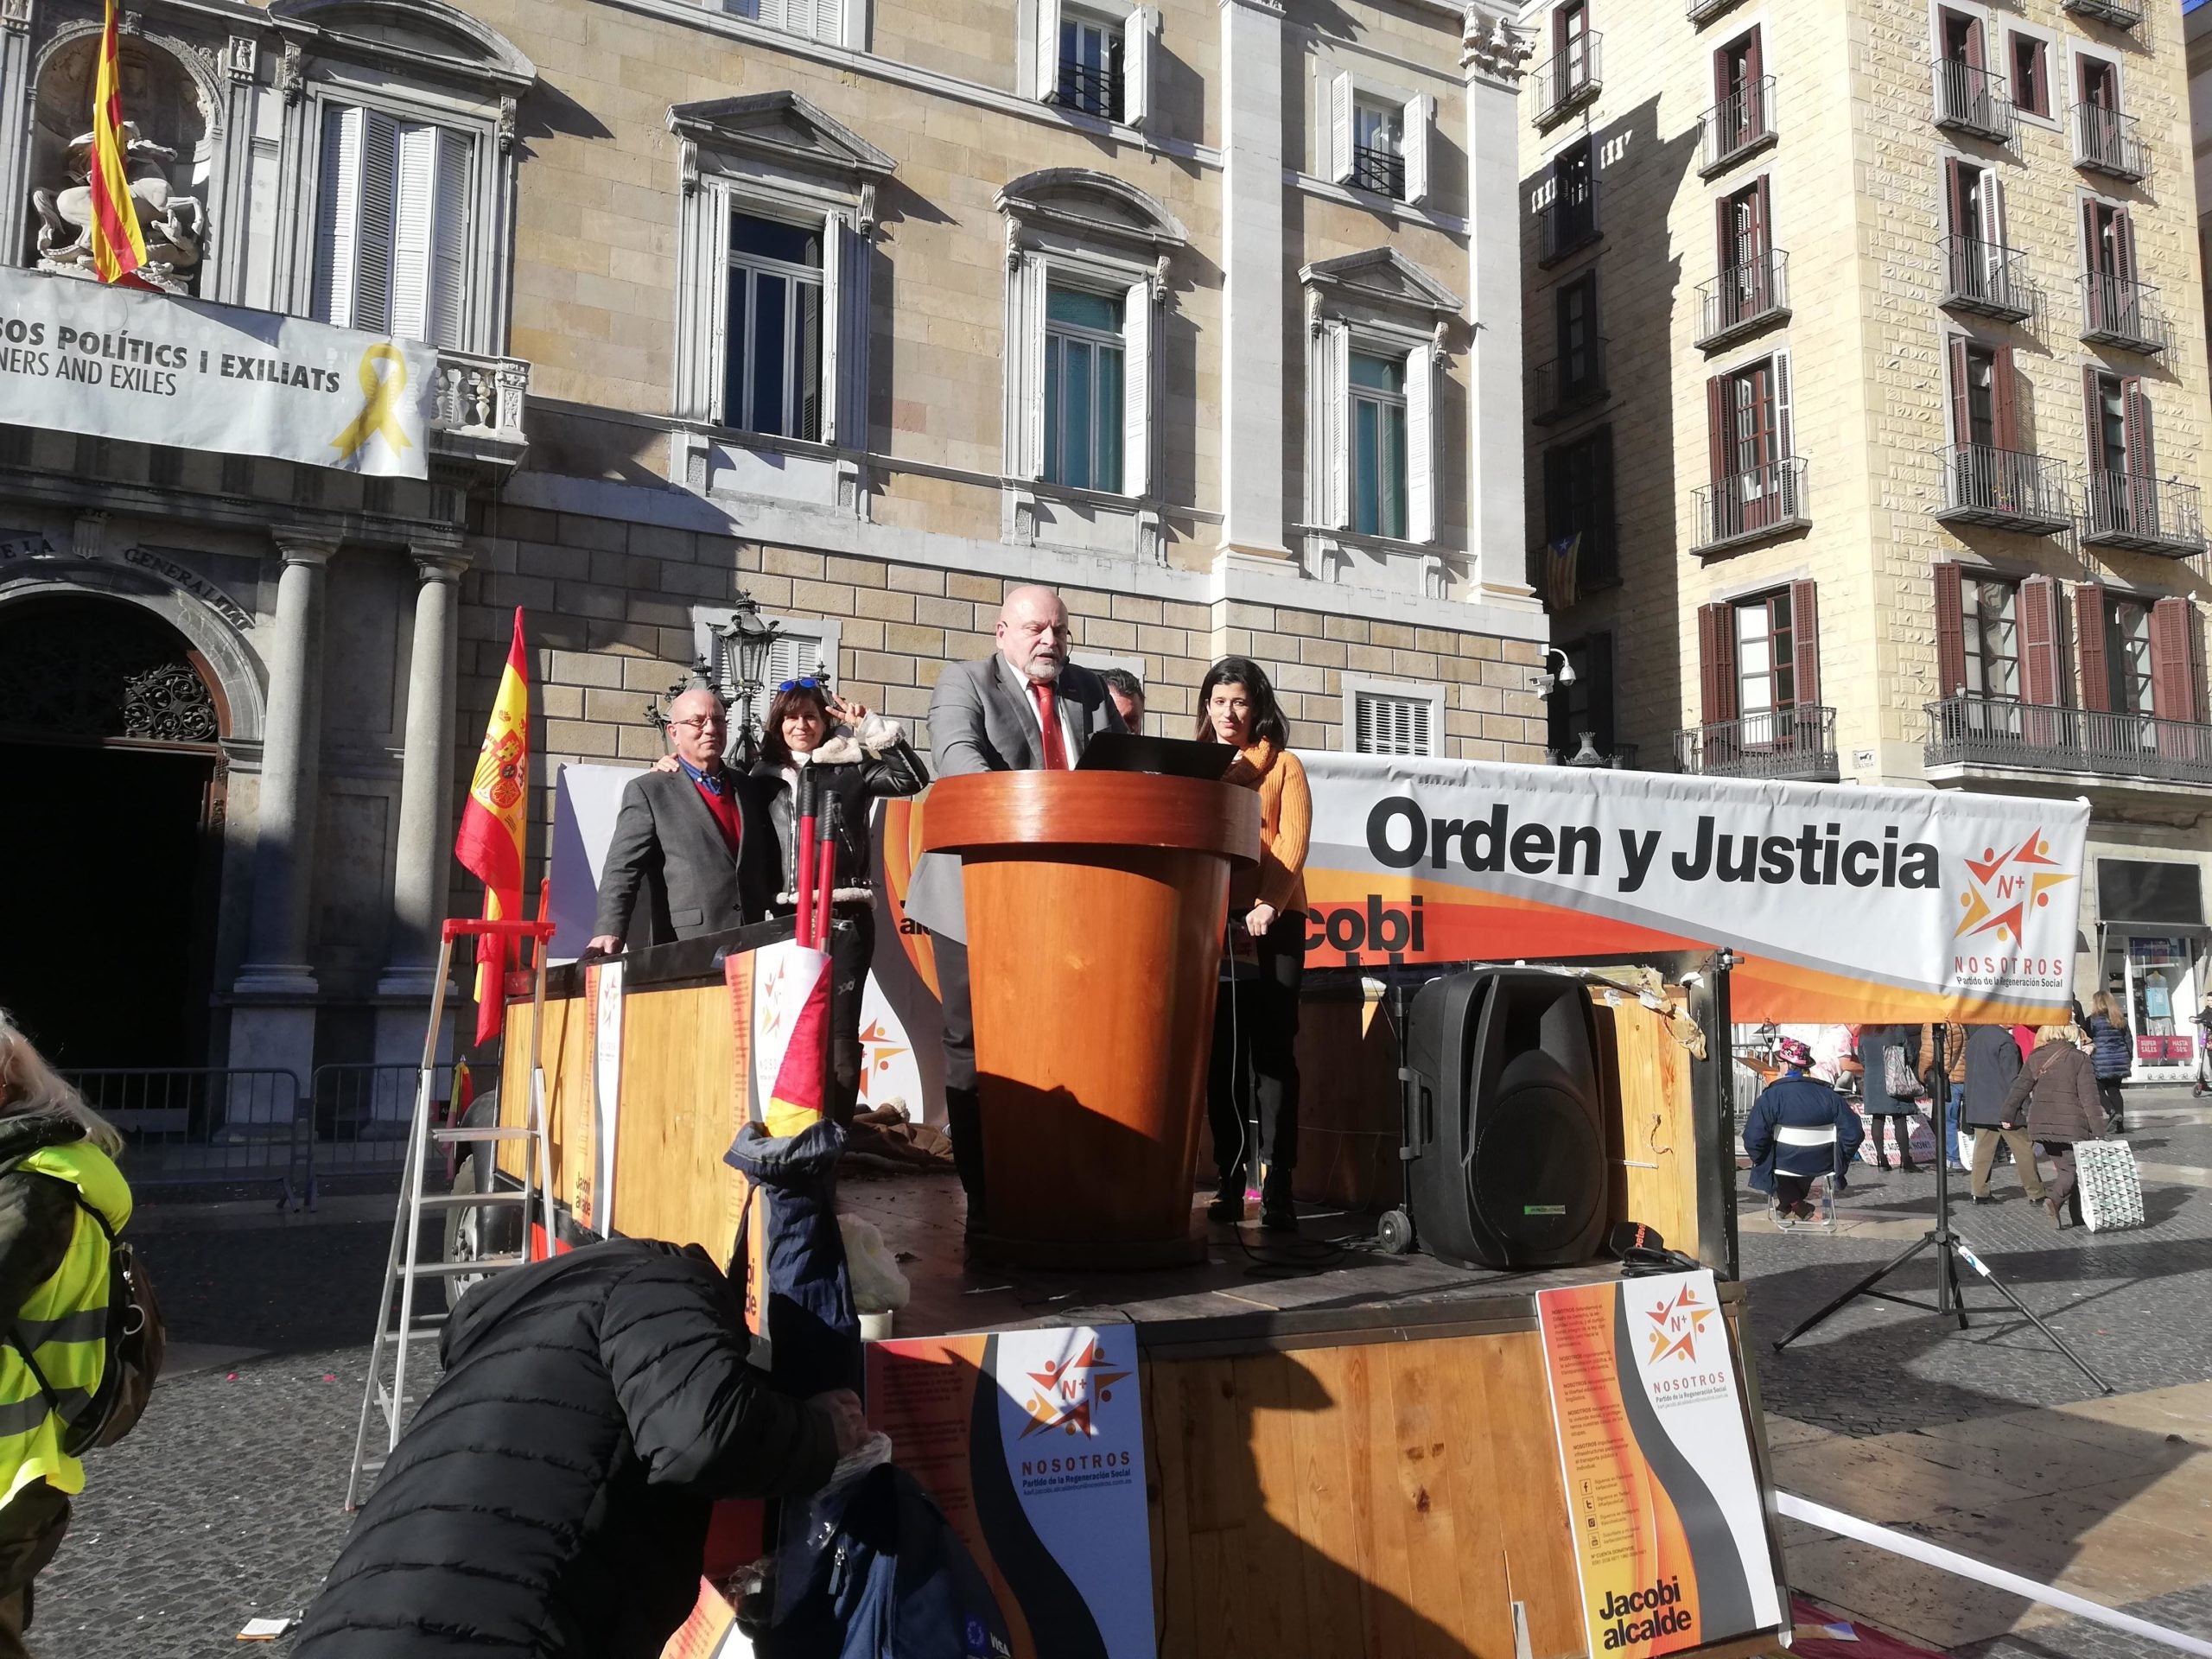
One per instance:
(901, 841)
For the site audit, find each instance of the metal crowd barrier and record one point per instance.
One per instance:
(358, 1115)
(188, 1125)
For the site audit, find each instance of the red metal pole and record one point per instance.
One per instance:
(802, 806)
(826, 862)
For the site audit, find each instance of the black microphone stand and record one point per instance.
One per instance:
(1950, 1250)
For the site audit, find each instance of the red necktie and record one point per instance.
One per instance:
(1048, 716)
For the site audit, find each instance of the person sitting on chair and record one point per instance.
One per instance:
(1799, 1130)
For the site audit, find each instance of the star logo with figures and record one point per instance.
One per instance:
(1676, 1323)
(879, 1052)
(2004, 885)
(1068, 1392)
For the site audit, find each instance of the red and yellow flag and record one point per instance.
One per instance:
(118, 246)
(489, 845)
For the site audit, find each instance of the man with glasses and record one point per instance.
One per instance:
(694, 846)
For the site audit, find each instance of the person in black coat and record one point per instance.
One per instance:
(1799, 1130)
(1880, 1103)
(1993, 1060)
(552, 1497)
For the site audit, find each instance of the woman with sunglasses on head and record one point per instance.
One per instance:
(857, 757)
(1237, 706)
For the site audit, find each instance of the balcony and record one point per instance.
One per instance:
(2115, 312)
(1090, 89)
(2105, 142)
(1570, 219)
(2142, 514)
(1736, 126)
(1382, 171)
(1741, 301)
(478, 413)
(1750, 506)
(2120, 14)
(1568, 383)
(1986, 731)
(1569, 80)
(1791, 743)
(2005, 489)
(1986, 278)
(1699, 11)
(1972, 101)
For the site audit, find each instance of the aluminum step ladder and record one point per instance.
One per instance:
(399, 1327)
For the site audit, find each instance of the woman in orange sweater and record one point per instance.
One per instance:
(1237, 706)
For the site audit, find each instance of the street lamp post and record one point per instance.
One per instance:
(736, 674)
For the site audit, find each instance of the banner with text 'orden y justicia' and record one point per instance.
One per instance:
(1846, 904)
(152, 368)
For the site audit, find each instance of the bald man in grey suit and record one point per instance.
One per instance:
(991, 716)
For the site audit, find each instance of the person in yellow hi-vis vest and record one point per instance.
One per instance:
(55, 1281)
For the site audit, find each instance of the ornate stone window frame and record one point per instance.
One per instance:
(776, 156)
(1377, 302)
(1092, 230)
(416, 60)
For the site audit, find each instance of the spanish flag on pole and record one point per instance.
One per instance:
(489, 845)
(118, 246)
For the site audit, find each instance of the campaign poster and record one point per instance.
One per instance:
(1671, 1537)
(596, 1212)
(1033, 1444)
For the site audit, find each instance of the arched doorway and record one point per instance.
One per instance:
(110, 831)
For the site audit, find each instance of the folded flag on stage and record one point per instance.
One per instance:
(790, 1035)
(489, 845)
(118, 246)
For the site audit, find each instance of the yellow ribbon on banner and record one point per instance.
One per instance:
(380, 403)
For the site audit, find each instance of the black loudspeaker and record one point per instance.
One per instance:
(1504, 1138)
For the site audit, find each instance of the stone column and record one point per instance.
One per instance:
(425, 852)
(1252, 314)
(274, 1025)
(1492, 55)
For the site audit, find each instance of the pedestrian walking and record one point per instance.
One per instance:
(61, 1197)
(2204, 1049)
(1799, 1130)
(1993, 1060)
(1891, 1055)
(1950, 1089)
(2112, 1057)
(2058, 1087)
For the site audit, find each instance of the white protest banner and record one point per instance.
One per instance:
(1846, 904)
(78, 356)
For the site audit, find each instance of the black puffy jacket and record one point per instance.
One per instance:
(552, 1497)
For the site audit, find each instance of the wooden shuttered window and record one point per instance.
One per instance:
(2174, 662)
(393, 226)
(2003, 408)
(2041, 637)
(1805, 641)
(1716, 658)
(1950, 631)
(1719, 427)
(2090, 653)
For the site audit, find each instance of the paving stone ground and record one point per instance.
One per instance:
(226, 1503)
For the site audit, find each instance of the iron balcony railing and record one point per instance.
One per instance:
(1570, 381)
(2116, 312)
(1091, 90)
(2121, 13)
(1382, 171)
(1986, 278)
(1797, 743)
(1747, 506)
(1972, 100)
(1976, 731)
(1570, 218)
(2105, 142)
(1699, 11)
(1743, 298)
(2009, 489)
(2141, 513)
(1739, 124)
(1570, 79)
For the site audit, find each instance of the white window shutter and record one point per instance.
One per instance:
(450, 227)
(1025, 368)
(1048, 49)
(410, 232)
(1335, 422)
(338, 215)
(836, 256)
(845, 334)
(1782, 436)
(1137, 37)
(1991, 229)
(1340, 127)
(374, 249)
(1421, 445)
(1136, 389)
(1419, 119)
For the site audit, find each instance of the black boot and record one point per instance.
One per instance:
(1278, 1214)
(1228, 1204)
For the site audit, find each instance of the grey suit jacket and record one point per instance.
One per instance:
(669, 874)
(982, 721)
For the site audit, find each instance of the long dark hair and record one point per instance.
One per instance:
(1266, 714)
(773, 750)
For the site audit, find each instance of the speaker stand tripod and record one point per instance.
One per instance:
(1951, 1250)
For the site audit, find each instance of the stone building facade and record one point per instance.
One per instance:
(863, 310)
(1895, 308)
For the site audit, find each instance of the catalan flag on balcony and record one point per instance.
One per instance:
(118, 246)
(493, 826)
(1562, 561)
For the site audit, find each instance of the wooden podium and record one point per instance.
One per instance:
(1095, 903)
